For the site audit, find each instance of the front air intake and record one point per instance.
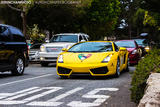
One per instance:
(101, 70)
(62, 70)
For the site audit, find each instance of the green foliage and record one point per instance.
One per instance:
(102, 16)
(35, 35)
(151, 63)
(98, 18)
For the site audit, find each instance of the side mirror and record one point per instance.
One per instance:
(122, 49)
(64, 49)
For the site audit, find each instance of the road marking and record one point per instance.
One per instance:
(15, 98)
(53, 101)
(92, 94)
(24, 94)
(4, 95)
(12, 101)
(25, 80)
(53, 89)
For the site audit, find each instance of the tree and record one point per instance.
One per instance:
(102, 17)
(23, 9)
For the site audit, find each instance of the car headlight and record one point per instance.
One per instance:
(42, 48)
(107, 59)
(147, 48)
(60, 59)
(134, 51)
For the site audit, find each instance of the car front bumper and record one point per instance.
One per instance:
(48, 57)
(101, 69)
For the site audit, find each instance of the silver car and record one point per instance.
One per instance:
(50, 51)
(34, 52)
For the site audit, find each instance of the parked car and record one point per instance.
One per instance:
(98, 58)
(133, 49)
(49, 51)
(13, 50)
(144, 45)
(34, 52)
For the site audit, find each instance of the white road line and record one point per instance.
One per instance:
(5, 95)
(23, 94)
(41, 103)
(65, 94)
(43, 94)
(11, 102)
(92, 95)
(52, 102)
(25, 80)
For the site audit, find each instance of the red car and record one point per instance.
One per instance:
(133, 49)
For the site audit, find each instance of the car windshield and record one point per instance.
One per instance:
(141, 42)
(64, 38)
(92, 47)
(126, 44)
(36, 46)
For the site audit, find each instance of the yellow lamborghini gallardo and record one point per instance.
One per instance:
(98, 58)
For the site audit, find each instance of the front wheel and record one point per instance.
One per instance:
(118, 69)
(18, 67)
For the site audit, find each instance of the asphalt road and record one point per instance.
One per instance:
(40, 86)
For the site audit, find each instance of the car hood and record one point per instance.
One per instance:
(130, 49)
(58, 44)
(87, 58)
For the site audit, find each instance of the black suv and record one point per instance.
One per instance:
(13, 50)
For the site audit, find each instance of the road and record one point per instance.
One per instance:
(40, 87)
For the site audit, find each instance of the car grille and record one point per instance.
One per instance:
(51, 58)
(62, 70)
(101, 70)
(54, 49)
(31, 53)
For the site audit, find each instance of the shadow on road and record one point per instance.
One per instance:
(89, 77)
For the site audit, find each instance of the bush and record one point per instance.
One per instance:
(151, 63)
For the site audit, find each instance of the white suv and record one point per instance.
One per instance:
(49, 51)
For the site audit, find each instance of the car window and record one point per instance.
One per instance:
(4, 34)
(80, 38)
(85, 38)
(17, 35)
(36, 46)
(116, 47)
(92, 47)
(126, 44)
(64, 38)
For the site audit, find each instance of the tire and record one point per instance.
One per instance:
(117, 69)
(44, 64)
(127, 69)
(18, 67)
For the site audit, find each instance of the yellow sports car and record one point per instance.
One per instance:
(98, 58)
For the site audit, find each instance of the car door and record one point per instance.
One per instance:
(4, 51)
(122, 57)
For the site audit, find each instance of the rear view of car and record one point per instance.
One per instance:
(133, 49)
(13, 50)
